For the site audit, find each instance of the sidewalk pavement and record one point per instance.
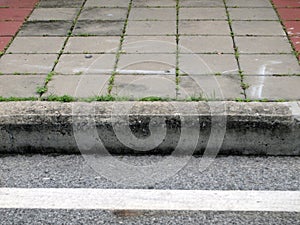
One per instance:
(178, 50)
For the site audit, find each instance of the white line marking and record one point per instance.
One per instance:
(141, 199)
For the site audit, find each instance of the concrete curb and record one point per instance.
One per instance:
(251, 128)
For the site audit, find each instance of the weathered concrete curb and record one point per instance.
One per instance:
(251, 128)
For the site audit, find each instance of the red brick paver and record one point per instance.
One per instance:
(286, 3)
(4, 42)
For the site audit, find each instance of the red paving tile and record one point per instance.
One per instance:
(289, 13)
(18, 3)
(286, 3)
(4, 42)
(296, 43)
(292, 27)
(13, 14)
(9, 28)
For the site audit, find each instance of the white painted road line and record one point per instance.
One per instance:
(141, 199)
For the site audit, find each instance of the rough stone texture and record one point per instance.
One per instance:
(273, 88)
(27, 63)
(204, 27)
(45, 28)
(272, 28)
(103, 44)
(246, 3)
(151, 28)
(202, 14)
(152, 14)
(36, 45)
(73, 64)
(60, 4)
(106, 28)
(252, 14)
(269, 64)
(201, 3)
(107, 3)
(46, 14)
(20, 86)
(77, 85)
(103, 14)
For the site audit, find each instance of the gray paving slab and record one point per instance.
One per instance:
(152, 14)
(206, 44)
(45, 28)
(60, 3)
(154, 3)
(151, 28)
(246, 3)
(113, 14)
(271, 28)
(74, 64)
(201, 3)
(46, 14)
(141, 86)
(273, 88)
(252, 14)
(210, 87)
(20, 85)
(107, 3)
(83, 86)
(27, 63)
(101, 28)
(202, 14)
(100, 44)
(147, 64)
(204, 27)
(269, 64)
(36, 45)
(207, 64)
(263, 45)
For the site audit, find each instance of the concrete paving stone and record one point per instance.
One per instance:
(210, 87)
(101, 28)
(103, 14)
(269, 64)
(273, 88)
(47, 14)
(263, 44)
(74, 64)
(4, 41)
(149, 44)
(272, 28)
(252, 14)
(292, 27)
(152, 14)
(9, 28)
(107, 3)
(82, 86)
(151, 28)
(27, 63)
(201, 3)
(13, 14)
(103, 44)
(154, 3)
(36, 45)
(204, 27)
(206, 64)
(45, 28)
(247, 3)
(20, 86)
(202, 14)
(147, 64)
(286, 3)
(60, 3)
(289, 13)
(205, 44)
(141, 86)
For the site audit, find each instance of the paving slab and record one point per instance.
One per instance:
(201, 3)
(292, 27)
(289, 13)
(48, 14)
(9, 28)
(286, 3)
(152, 14)
(246, 3)
(202, 14)
(263, 45)
(226, 87)
(107, 3)
(76, 85)
(252, 14)
(100, 44)
(101, 28)
(296, 42)
(273, 88)
(60, 3)
(207, 64)
(18, 3)
(206, 44)
(151, 28)
(141, 86)
(27, 63)
(36, 45)
(273, 64)
(45, 28)
(103, 14)
(14, 14)
(4, 41)
(204, 27)
(76, 64)
(154, 3)
(259, 28)
(20, 85)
